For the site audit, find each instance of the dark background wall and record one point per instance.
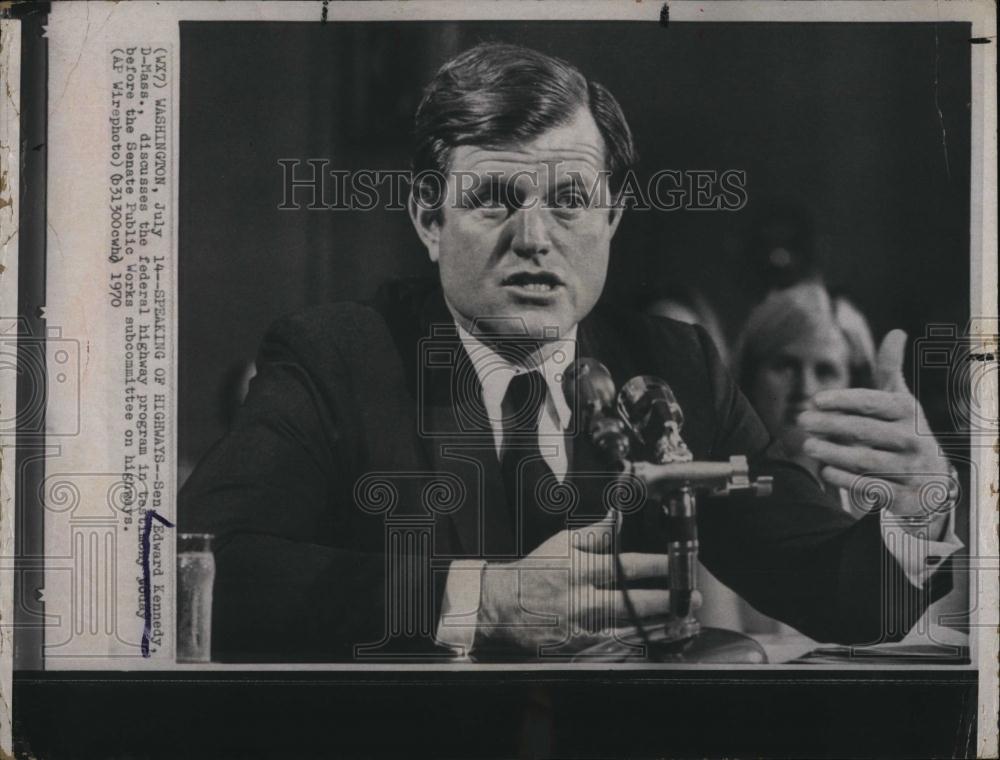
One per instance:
(866, 127)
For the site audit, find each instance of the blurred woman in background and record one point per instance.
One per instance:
(797, 342)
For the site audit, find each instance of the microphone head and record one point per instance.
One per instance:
(648, 406)
(590, 391)
(588, 386)
(644, 396)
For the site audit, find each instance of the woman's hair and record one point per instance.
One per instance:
(803, 310)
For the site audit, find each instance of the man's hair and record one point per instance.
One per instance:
(496, 95)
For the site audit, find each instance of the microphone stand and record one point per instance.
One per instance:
(674, 480)
(682, 638)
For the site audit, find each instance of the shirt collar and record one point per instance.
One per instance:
(495, 372)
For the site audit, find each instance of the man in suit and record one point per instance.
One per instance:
(409, 477)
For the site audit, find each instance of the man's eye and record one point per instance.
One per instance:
(571, 200)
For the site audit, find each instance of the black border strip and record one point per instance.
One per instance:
(501, 714)
(29, 541)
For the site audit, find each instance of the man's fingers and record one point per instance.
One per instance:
(599, 568)
(925, 499)
(605, 609)
(597, 536)
(647, 603)
(866, 402)
(842, 478)
(854, 429)
(856, 459)
(872, 494)
(867, 494)
(638, 566)
(889, 363)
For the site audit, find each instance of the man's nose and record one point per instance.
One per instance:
(531, 234)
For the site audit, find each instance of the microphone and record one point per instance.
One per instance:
(647, 411)
(590, 390)
(650, 409)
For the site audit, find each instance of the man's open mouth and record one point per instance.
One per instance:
(537, 282)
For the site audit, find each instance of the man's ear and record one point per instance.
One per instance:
(427, 223)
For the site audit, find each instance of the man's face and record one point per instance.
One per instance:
(523, 238)
(785, 384)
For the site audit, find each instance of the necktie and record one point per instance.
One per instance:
(521, 463)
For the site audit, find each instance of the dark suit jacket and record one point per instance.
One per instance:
(361, 465)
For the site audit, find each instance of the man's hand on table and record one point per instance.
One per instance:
(563, 591)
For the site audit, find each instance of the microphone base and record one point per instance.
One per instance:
(709, 645)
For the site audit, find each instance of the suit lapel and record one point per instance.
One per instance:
(457, 438)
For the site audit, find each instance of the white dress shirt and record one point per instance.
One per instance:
(456, 629)
(463, 588)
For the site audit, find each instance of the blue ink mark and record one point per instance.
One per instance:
(147, 624)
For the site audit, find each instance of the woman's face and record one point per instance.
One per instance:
(785, 382)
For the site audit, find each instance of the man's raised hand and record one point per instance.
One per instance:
(868, 442)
